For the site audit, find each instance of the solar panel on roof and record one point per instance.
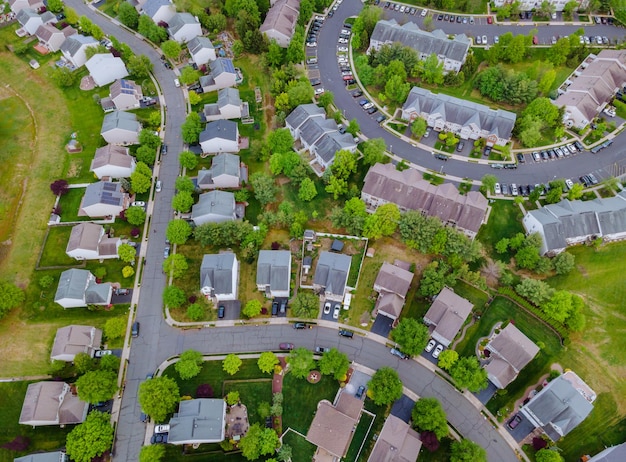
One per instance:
(229, 66)
(109, 187)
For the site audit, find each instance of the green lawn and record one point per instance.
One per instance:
(53, 253)
(70, 204)
(302, 450)
(440, 455)
(301, 399)
(252, 393)
(361, 434)
(477, 297)
(41, 438)
(505, 220)
(364, 435)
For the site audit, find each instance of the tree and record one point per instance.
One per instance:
(374, 151)
(189, 364)
(280, 140)
(232, 398)
(191, 128)
(84, 363)
(126, 253)
(196, 312)
(152, 452)
(12, 297)
(149, 138)
(383, 222)
(554, 195)
(385, 386)
(127, 14)
(264, 188)
(488, 183)
(182, 201)
(146, 154)
(171, 49)
(188, 160)
(136, 216)
(110, 363)
(326, 99)
(576, 192)
(564, 263)
(431, 70)
(447, 359)
(467, 451)
(428, 415)
(467, 373)
(336, 186)
(70, 15)
(344, 165)
(547, 79)
(90, 439)
(559, 306)
(178, 231)
(258, 441)
(56, 6)
(300, 362)
(59, 187)
(175, 264)
(128, 271)
(534, 290)
(307, 190)
(115, 327)
(334, 363)
(411, 335)
(397, 89)
(231, 364)
(173, 297)
(158, 397)
(274, 56)
(418, 127)
(140, 183)
(253, 308)
(305, 305)
(189, 75)
(433, 279)
(284, 162)
(97, 386)
(267, 361)
(547, 455)
(139, 66)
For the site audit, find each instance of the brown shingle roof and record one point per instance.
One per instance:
(511, 351)
(111, 155)
(85, 236)
(397, 442)
(393, 279)
(448, 313)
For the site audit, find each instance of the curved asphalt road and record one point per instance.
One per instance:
(158, 341)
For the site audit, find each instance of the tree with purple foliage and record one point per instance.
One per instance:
(59, 187)
(539, 443)
(429, 441)
(135, 232)
(204, 391)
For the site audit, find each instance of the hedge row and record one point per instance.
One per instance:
(553, 323)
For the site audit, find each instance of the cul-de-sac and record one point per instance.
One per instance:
(312, 231)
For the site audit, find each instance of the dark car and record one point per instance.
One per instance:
(221, 310)
(350, 82)
(487, 150)
(380, 119)
(578, 145)
(460, 146)
(372, 110)
(315, 82)
(357, 93)
(143, 417)
(441, 157)
(135, 329)
(514, 422)
(283, 307)
(346, 333)
(359, 392)
(322, 350)
(363, 102)
(274, 308)
(520, 158)
(299, 325)
(164, 149)
(167, 64)
(122, 291)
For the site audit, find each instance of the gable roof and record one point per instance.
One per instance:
(122, 120)
(151, 7)
(103, 192)
(225, 129)
(393, 279)
(226, 96)
(274, 269)
(112, 155)
(80, 284)
(23, 16)
(397, 442)
(56, 456)
(198, 421)
(282, 17)
(216, 272)
(52, 403)
(332, 272)
(612, 454)
(74, 339)
(125, 87)
(85, 236)
(422, 41)
(214, 203)
(331, 142)
(390, 303)
(180, 20)
(510, 351)
(448, 313)
(222, 65)
(301, 114)
(75, 42)
(199, 43)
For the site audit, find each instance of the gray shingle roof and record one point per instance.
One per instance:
(612, 454)
(227, 96)
(74, 43)
(179, 20)
(150, 7)
(332, 272)
(313, 129)
(216, 272)
(72, 284)
(301, 113)
(120, 119)
(198, 420)
(223, 164)
(225, 129)
(103, 192)
(328, 145)
(56, 456)
(214, 203)
(423, 42)
(23, 16)
(462, 112)
(274, 269)
(198, 43)
(221, 65)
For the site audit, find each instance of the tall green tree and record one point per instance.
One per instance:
(300, 362)
(305, 305)
(383, 222)
(182, 201)
(158, 397)
(385, 386)
(411, 335)
(97, 386)
(191, 128)
(374, 151)
(188, 160)
(189, 364)
(253, 308)
(126, 253)
(546, 455)
(264, 187)
(307, 190)
(428, 415)
(12, 297)
(135, 215)
(178, 231)
(266, 362)
(127, 14)
(231, 364)
(115, 327)
(467, 451)
(90, 439)
(152, 453)
(173, 296)
(467, 373)
(334, 363)
(171, 49)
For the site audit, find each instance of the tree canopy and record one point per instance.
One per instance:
(178, 231)
(231, 364)
(334, 363)
(467, 373)
(305, 305)
(266, 362)
(158, 397)
(12, 297)
(385, 386)
(301, 362)
(468, 451)
(97, 386)
(90, 439)
(428, 415)
(189, 364)
(411, 335)
(258, 441)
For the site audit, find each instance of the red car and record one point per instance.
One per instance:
(514, 422)
(489, 20)
(535, 40)
(286, 346)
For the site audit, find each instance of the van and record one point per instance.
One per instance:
(135, 329)
(346, 333)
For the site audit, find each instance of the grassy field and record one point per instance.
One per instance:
(301, 448)
(505, 220)
(252, 393)
(53, 253)
(301, 399)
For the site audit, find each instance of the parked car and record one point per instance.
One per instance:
(221, 311)
(336, 311)
(327, 305)
(286, 346)
(158, 186)
(520, 158)
(460, 146)
(398, 353)
(141, 204)
(372, 110)
(514, 422)
(427, 132)
(274, 308)
(166, 252)
(569, 183)
(497, 189)
(360, 391)
(159, 438)
(300, 325)
(430, 346)
(101, 353)
(321, 350)
(162, 428)
(437, 351)
(135, 329)
(346, 333)
(121, 291)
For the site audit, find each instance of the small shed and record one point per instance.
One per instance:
(309, 235)
(306, 264)
(337, 246)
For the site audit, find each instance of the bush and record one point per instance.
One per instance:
(204, 391)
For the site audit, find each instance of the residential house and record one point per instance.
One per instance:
(74, 47)
(201, 50)
(159, 10)
(228, 106)
(88, 241)
(56, 456)
(560, 406)
(466, 119)
(124, 94)
(220, 136)
(612, 454)
(574, 222)
(105, 68)
(30, 20)
(529, 5)
(281, 21)
(18, 5)
(409, 191)
(397, 442)
(183, 27)
(214, 207)
(588, 90)
(509, 352)
(120, 127)
(273, 273)
(296, 119)
(331, 275)
(225, 173)
(450, 52)
(447, 315)
(333, 426)
(198, 421)
(318, 135)
(78, 288)
(392, 284)
(52, 38)
(71, 340)
(112, 161)
(103, 199)
(222, 74)
(52, 403)
(219, 276)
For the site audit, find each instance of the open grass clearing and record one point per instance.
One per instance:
(505, 220)
(53, 253)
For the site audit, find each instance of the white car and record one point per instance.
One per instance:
(497, 188)
(437, 351)
(342, 49)
(327, 308)
(336, 312)
(484, 40)
(345, 32)
(311, 44)
(424, 13)
(478, 40)
(177, 83)
(161, 428)
(341, 40)
(319, 91)
(101, 353)
(496, 39)
(158, 186)
(319, 18)
(367, 106)
(141, 204)
(402, 9)
(430, 346)
(569, 183)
